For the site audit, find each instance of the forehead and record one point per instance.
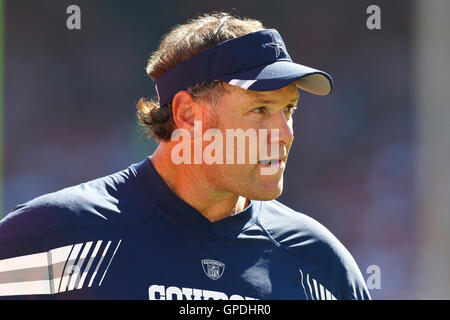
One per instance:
(285, 95)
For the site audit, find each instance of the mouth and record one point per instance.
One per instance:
(272, 162)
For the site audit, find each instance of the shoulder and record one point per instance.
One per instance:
(300, 233)
(312, 242)
(91, 204)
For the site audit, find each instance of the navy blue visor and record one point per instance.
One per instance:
(256, 61)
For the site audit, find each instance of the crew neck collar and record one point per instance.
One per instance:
(182, 213)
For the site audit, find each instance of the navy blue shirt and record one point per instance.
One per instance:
(129, 236)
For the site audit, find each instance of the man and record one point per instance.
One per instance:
(196, 220)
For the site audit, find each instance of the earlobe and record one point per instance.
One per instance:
(182, 110)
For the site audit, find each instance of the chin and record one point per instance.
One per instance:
(267, 195)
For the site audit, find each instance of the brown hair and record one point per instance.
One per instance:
(181, 43)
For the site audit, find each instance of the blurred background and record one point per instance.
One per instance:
(371, 161)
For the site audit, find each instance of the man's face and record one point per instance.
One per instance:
(267, 112)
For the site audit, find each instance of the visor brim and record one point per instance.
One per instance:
(280, 74)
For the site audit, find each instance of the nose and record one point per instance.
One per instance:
(284, 128)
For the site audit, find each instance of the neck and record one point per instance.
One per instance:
(212, 203)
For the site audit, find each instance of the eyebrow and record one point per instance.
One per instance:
(268, 101)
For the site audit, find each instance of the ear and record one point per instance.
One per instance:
(185, 111)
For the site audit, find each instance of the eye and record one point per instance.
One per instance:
(290, 108)
(259, 110)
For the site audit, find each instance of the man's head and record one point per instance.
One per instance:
(180, 44)
(221, 45)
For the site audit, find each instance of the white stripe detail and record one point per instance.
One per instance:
(31, 262)
(303, 285)
(309, 285)
(77, 268)
(315, 289)
(319, 292)
(91, 259)
(24, 262)
(99, 263)
(247, 84)
(327, 294)
(54, 275)
(322, 293)
(110, 262)
(244, 84)
(69, 268)
(58, 255)
(24, 288)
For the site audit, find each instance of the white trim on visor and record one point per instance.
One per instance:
(315, 83)
(244, 84)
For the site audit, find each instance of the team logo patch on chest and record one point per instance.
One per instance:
(212, 268)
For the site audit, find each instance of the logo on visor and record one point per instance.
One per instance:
(213, 269)
(277, 45)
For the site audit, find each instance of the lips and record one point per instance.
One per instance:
(275, 160)
(276, 163)
(270, 162)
